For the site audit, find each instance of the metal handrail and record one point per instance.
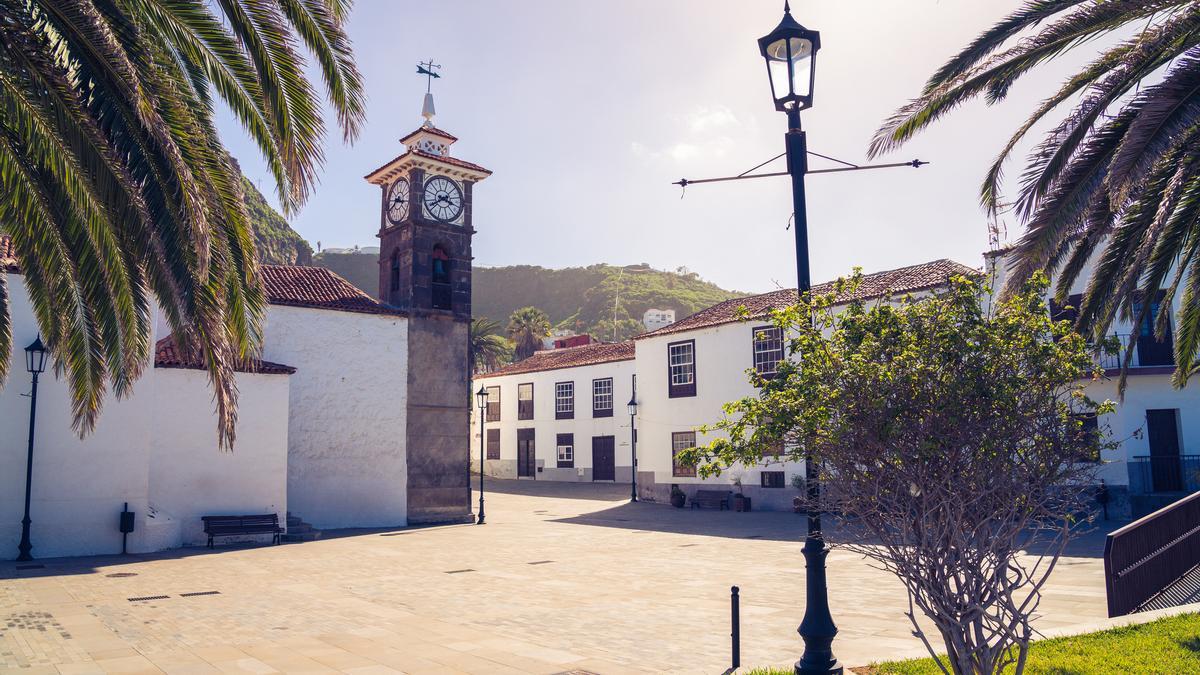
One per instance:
(1146, 556)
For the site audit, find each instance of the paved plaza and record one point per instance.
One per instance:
(562, 578)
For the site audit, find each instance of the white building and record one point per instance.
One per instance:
(684, 373)
(1158, 426)
(356, 416)
(653, 319)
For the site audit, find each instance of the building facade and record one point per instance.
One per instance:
(653, 319)
(684, 373)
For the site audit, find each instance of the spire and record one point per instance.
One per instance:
(427, 110)
(429, 70)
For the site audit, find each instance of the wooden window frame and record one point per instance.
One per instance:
(492, 440)
(525, 406)
(564, 412)
(612, 395)
(677, 470)
(685, 389)
(775, 351)
(565, 441)
(493, 404)
(771, 479)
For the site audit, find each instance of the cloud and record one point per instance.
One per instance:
(701, 137)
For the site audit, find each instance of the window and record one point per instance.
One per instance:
(395, 270)
(564, 400)
(493, 444)
(493, 404)
(566, 451)
(768, 350)
(602, 397)
(1067, 312)
(525, 401)
(440, 273)
(680, 441)
(1151, 351)
(1088, 437)
(772, 479)
(681, 368)
(774, 449)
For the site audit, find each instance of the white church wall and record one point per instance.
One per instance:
(79, 486)
(346, 428)
(191, 477)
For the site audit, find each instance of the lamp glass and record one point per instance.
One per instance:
(633, 406)
(482, 396)
(789, 62)
(35, 356)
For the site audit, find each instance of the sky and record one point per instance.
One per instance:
(588, 111)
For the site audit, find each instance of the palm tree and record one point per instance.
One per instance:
(526, 327)
(489, 349)
(115, 188)
(1118, 177)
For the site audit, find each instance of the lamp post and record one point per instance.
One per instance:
(35, 363)
(633, 405)
(481, 397)
(791, 55)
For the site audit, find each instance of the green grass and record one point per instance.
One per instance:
(1170, 645)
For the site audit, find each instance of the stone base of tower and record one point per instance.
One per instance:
(439, 420)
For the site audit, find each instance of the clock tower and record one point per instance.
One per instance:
(425, 229)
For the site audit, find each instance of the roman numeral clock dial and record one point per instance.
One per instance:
(443, 199)
(397, 201)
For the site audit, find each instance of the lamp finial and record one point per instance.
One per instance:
(786, 8)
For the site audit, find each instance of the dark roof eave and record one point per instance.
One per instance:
(502, 372)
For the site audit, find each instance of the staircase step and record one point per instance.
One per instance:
(292, 537)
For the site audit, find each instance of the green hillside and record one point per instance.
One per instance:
(584, 298)
(277, 242)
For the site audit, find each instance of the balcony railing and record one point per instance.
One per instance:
(1164, 473)
(1147, 352)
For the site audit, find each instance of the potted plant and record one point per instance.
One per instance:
(740, 501)
(797, 502)
(677, 497)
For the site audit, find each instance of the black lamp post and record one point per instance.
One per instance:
(35, 363)
(632, 405)
(481, 397)
(791, 55)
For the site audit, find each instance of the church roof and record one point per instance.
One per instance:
(319, 288)
(568, 357)
(168, 354)
(909, 279)
(429, 128)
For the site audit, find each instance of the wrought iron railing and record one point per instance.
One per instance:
(1147, 352)
(1164, 473)
(1145, 557)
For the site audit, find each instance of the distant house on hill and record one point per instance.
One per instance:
(653, 319)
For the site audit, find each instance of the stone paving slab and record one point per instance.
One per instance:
(562, 578)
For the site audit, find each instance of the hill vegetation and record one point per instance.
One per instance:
(606, 301)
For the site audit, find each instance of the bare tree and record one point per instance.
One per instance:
(952, 442)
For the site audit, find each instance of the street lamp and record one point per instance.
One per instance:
(35, 363)
(632, 405)
(791, 55)
(481, 397)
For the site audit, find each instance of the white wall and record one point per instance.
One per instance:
(723, 355)
(546, 427)
(346, 426)
(191, 477)
(156, 449)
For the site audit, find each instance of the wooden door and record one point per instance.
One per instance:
(1162, 430)
(1150, 350)
(604, 459)
(526, 455)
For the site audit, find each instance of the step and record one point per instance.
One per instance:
(295, 537)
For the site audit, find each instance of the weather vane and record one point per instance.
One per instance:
(427, 68)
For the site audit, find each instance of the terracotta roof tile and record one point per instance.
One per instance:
(167, 354)
(8, 255)
(318, 288)
(878, 284)
(568, 357)
(433, 130)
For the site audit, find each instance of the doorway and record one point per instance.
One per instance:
(526, 454)
(1162, 430)
(604, 460)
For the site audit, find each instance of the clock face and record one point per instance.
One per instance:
(443, 199)
(397, 201)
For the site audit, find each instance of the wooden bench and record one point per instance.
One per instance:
(711, 498)
(232, 526)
